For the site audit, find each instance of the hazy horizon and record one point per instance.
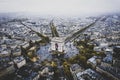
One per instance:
(60, 7)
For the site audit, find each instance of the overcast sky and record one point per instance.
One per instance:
(61, 7)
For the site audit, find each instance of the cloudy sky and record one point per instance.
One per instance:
(60, 7)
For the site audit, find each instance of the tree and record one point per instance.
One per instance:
(66, 64)
(53, 64)
(83, 59)
(72, 60)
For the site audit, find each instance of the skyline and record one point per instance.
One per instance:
(61, 7)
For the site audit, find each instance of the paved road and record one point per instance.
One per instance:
(53, 30)
(77, 34)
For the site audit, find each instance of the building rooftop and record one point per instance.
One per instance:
(75, 67)
(93, 59)
(19, 59)
(89, 74)
(114, 71)
(26, 73)
(25, 44)
(4, 66)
